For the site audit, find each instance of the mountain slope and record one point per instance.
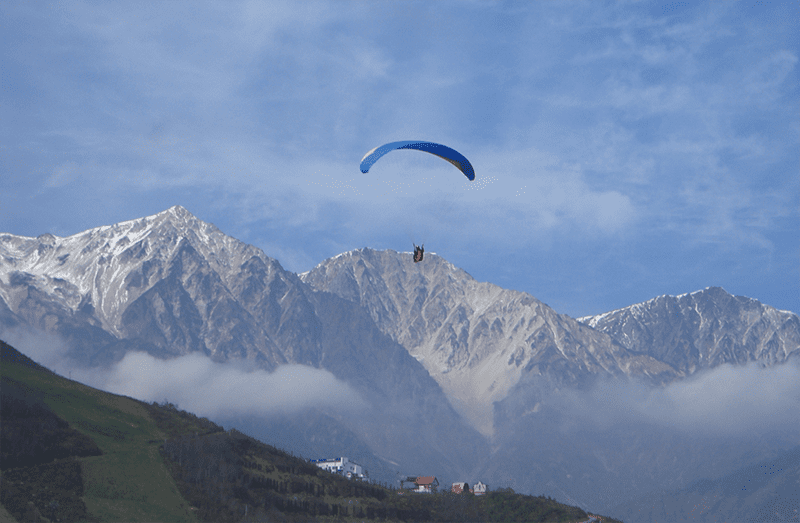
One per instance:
(106, 464)
(476, 339)
(190, 469)
(766, 491)
(703, 329)
(168, 280)
(172, 285)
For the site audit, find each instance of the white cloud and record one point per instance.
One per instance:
(212, 389)
(767, 75)
(45, 349)
(63, 174)
(194, 382)
(724, 401)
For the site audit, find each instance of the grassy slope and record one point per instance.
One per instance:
(129, 481)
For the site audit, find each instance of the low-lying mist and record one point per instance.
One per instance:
(603, 442)
(196, 383)
(727, 400)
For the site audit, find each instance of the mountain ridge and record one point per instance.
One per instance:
(178, 303)
(460, 374)
(438, 312)
(692, 332)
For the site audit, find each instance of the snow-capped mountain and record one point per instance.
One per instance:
(172, 282)
(475, 339)
(171, 285)
(465, 380)
(112, 266)
(703, 329)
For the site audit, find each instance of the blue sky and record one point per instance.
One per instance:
(622, 150)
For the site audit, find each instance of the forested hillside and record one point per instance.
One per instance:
(74, 453)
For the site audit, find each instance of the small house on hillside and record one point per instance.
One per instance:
(479, 489)
(424, 484)
(462, 487)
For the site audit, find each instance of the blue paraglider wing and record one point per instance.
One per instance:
(442, 151)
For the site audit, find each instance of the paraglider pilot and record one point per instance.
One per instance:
(419, 252)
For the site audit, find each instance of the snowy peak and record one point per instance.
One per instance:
(703, 329)
(99, 265)
(172, 285)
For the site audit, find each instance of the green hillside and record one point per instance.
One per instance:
(102, 465)
(74, 453)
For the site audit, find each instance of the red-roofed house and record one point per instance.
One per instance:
(426, 484)
(461, 487)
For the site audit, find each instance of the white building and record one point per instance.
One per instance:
(342, 466)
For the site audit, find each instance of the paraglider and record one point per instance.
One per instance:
(419, 252)
(442, 151)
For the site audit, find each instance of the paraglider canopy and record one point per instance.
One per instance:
(442, 151)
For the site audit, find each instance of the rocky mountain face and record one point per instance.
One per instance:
(170, 285)
(702, 330)
(170, 282)
(475, 339)
(464, 379)
(508, 363)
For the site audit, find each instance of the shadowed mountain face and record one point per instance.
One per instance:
(461, 379)
(766, 491)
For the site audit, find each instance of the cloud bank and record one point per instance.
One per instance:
(727, 400)
(196, 383)
(212, 389)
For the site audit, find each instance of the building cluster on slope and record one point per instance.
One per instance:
(422, 484)
(429, 484)
(342, 466)
(479, 489)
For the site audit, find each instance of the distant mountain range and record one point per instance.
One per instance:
(464, 379)
(478, 340)
(702, 330)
